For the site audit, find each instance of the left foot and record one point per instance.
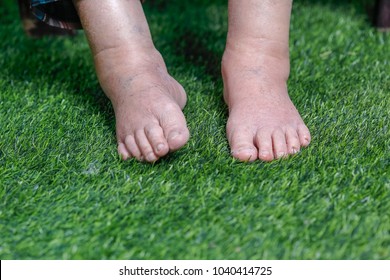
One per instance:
(263, 122)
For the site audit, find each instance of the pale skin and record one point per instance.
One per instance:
(263, 123)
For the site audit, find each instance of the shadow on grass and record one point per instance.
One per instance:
(193, 43)
(63, 63)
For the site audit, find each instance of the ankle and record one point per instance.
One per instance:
(120, 50)
(115, 67)
(262, 63)
(127, 57)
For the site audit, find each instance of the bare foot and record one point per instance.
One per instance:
(147, 101)
(263, 122)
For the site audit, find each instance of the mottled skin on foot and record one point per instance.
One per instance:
(263, 122)
(147, 101)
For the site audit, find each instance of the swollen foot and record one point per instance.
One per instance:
(147, 101)
(263, 122)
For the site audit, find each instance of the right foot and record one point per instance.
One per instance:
(147, 101)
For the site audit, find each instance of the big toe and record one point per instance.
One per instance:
(242, 146)
(174, 128)
(304, 135)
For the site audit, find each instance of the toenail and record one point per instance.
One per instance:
(246, 149)
(150, 157)
(173, 135)
(264, 153)
(234, 152)
(295, 151)
(160, 147)
(280, 155)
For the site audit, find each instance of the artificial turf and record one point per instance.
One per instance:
(65, 193)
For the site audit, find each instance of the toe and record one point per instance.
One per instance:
(132, 147)
(304, 135)
(174, 127)
(264, 144)
(245, 153)
(279, 143)
(177, 137)
(144, 146)
(293, 142)
(242, 145)
(123, 152)
(155, 135)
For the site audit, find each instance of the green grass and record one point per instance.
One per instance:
(65, 194)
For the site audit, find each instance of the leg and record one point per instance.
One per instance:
(382, 15)
(263, 123)
(147, 101)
